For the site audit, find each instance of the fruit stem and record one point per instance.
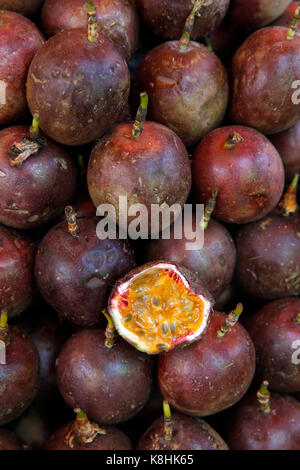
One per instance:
(141, 114)
(263, 397)
(110, 331)
(81, 165)
(289, 205)
(92, 21)
(297, 319)
(72, 222)
(231, 319)
(189, 24)
(209, 209)
(4, 335)
(82, 430)
(293, 28)
(208, 43)
(232, 140)
(21, 151)
(34, 128)
(168, 425)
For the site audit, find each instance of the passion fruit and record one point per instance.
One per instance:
(287, 143)
(159, 306)
(255, 14)
(9, 440)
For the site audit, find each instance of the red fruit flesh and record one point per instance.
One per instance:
(244, 167)
(263, 70)
(117, 19)
(111, 384)
(275, 331)
(17, 287)
(8, 440)
(75, 274)
(287, 143)
(19, 41)
(257, 13)
(210, 375)
(24, 7)
(91, 77)
(38, 190)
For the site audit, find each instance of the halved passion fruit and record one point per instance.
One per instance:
(159, 306)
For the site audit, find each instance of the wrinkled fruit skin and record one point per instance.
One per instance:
(188, 434)
(91, 79)
(213, 263)
(263, 71)
(175, 81)
(151, 169)
(19, 41)
(117, 19)
(76, 274)
(210, 375)
(166, 19)
(287, 144)
(249, 177)
(39, 189)
(250, 429)
(257, 13)
(268, 253)
(275, 333)
(19, 377)
(17, 286)
(114, 439)
(8, 440)
(24, 7)
(111, 385)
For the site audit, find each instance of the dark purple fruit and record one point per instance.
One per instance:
(36, 180)
(25, 7)
(256, 13)
(112, 384)
(8, 440)
(75, 270)
(212, 374)
(19, 41)
(287, 144)
(275, 331)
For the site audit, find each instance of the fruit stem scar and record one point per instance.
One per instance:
(92, 21)
(141, 114)
(168, 425)
(294, 25)
(189, 24)
(209, 209)
(71, 221)
(231, 319)
(110, 331)
(232, 140)
(263, 397)
(289, 205)
(82, 430)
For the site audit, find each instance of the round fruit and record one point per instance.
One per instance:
(255, 14)
(142, 163)
(17, 287)
(25, 7)
(75, 270)
(37, 178)
(264, 71)
(112, 384)
(117, 19)
(275, 331)
(77, 83)
(8, 440)
(159, 306)
(19, 41)
(166, 19)
(212, 374)
(286, 18)
(19, 371)
(244, 167)
(85, 435)
(179, 432)
(261, 422)
(287, 143)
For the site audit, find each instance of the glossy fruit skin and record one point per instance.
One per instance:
(268, 253)
(151, 169)
(92, 79)
(249, 177)
(255, 14)
(117, 19)
(39, 189)
(112, 385)
(8, 440)
(287, 144)
(188, 434)
(210, 375)
(166, 19)
(17, 286)
(24, 7)
(19, 41)
(19, 377)
(213, 263)
(188, 90)
(275, 333)
(263, 71)
(76, 274)
(114, 439)
(250, 429)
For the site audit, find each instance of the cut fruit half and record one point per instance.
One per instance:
(159, 306)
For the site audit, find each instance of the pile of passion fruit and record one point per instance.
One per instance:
(119, 343)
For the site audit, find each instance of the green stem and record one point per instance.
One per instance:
(92, 21)
(231, 319)
(72, 221)
(81, 165)
(263, 397)
(34, 129)
(208, 43)
(141, 114)
(289, 205)
(189, 24)
(293, 28)
(209, 209)
(297, 319)
(168, 425)
(232, 140)
(3, 319)
(110, 331)
(4, 334)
